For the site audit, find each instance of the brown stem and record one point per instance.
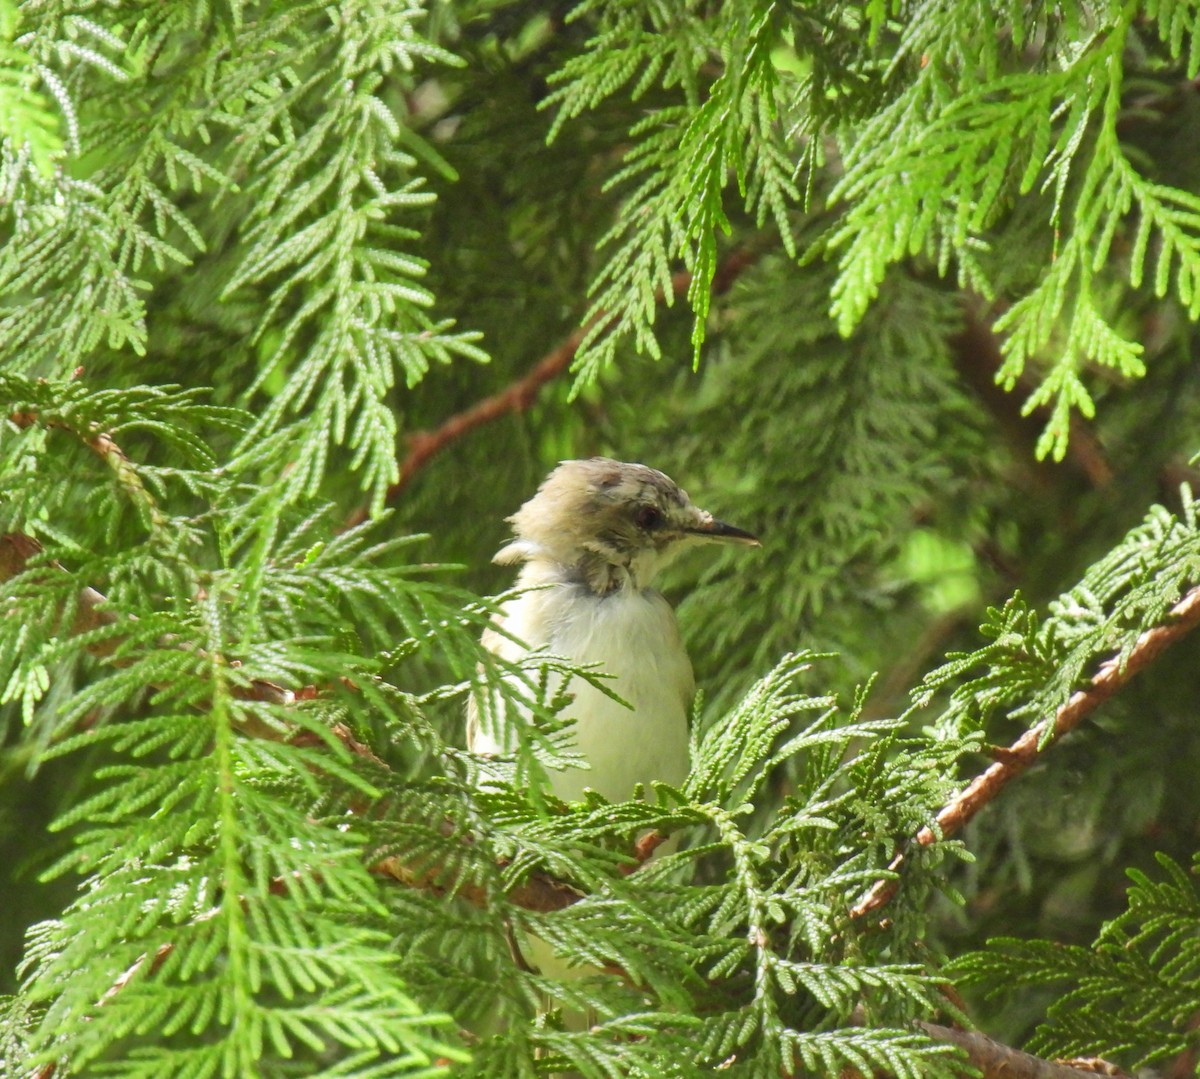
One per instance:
(520, 395)
(539, 892)
(1111, 677)
(1184, 1065)
(104, 447)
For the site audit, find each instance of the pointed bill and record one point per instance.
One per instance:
(712, 529)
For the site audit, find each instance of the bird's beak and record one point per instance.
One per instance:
(712, 529)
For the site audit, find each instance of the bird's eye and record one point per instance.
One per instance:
(648, 517)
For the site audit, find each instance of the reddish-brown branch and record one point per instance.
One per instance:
(1184, 1065)
(99, 443)
(539, 892)
(1111, 677)
(644, 848)
(518, 396)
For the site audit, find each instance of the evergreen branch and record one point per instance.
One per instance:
(278, 838)
(105, 447)
(996, 1061)
(16, 548)
(47, 1071)
(346, 314)
(27, 119)
(977, 354)
(518, 396)
(1113, 675)
(151, 963)
(539, 893)
(682, 158)
(1131, 993)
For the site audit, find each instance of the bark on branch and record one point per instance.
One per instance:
(998, 1061)
(1111, 677)
(519, 395)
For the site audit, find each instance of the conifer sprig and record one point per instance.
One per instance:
(1131, 994)
(956, 139)
(246, 719)
(684, 156)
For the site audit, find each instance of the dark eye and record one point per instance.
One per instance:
(648, 517)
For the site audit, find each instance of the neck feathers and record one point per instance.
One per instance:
(596, 570)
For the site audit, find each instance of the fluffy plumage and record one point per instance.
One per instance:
(593, 538)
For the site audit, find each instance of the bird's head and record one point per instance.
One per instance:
(613, 523)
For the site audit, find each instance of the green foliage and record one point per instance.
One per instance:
(337, 301)
(1033, 666)
(969, 147)
(246, 977)
(217, 842)
(28, 124)
(759, 913)
(328, 248)
(851, 422)
(683, 159)
(225, 844)
(1132, 994)
(244, 251)
(963, 129)
(223, 889)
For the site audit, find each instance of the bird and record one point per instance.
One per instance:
(590, 543)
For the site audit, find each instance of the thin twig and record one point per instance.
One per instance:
(518, 396)
(539, 892)
(105, 447)
(1111, 677)
(1184, 1065)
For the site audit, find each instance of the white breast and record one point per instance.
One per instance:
(633, 636)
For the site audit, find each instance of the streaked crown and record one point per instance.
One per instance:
(612, 523)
